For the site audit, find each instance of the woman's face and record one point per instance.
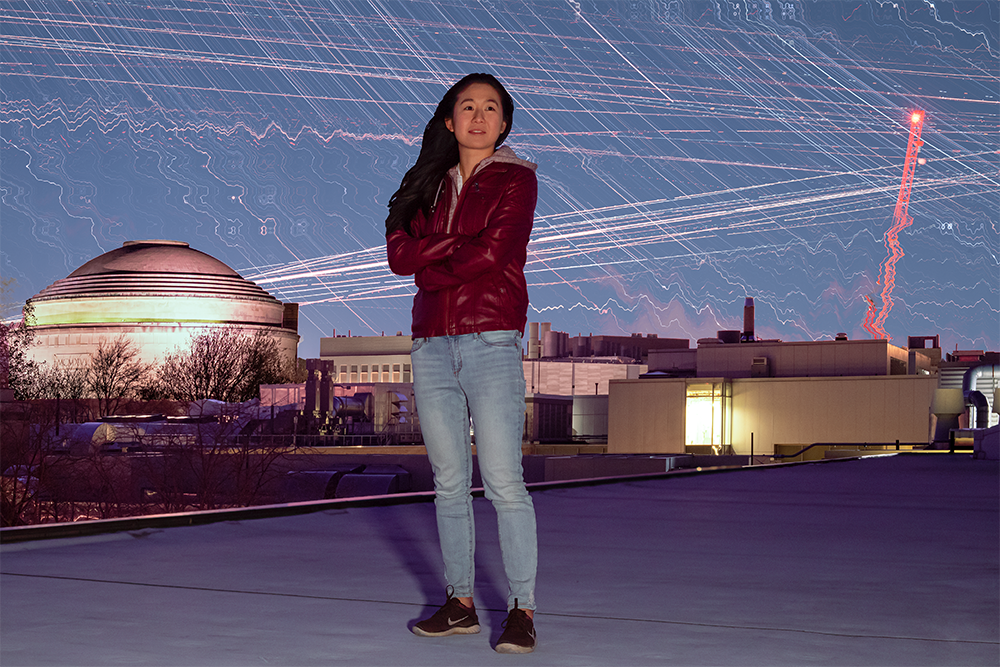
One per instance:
(477, 119)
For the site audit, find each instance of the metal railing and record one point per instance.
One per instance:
(383, 439)
(884, 446)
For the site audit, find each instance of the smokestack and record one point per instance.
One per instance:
(748, 320)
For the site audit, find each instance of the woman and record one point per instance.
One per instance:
(460, 223)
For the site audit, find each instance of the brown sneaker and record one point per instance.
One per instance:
(518, 634)
(453, 618)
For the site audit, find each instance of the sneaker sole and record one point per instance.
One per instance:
(514, 648)
(471, 630)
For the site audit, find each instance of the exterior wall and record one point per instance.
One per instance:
(284, 394)
(676, 361)
(805, 359)
(852, 410)
(358, 357)
(363, 369)
(561, 378)
(548, 418)
(646, 416)
(634, 347)
(564, 378)
(69, 342)
(361, 346)
(590, 418)
(157, 308)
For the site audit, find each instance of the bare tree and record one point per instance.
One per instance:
(223, 364)
(66, 378)
(116, 375)
(209, 462)
(26, 430)
(18, 371)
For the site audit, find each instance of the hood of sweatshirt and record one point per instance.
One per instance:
(502, 154)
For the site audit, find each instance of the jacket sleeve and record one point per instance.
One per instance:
(506, 232)
(407, 255)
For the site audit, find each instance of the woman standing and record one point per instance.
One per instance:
(460, 223)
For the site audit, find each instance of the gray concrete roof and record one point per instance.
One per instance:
(881, 561)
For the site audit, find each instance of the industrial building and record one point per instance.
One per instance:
(731, 394)
(567, 396)
(765, 398)
(737, 394)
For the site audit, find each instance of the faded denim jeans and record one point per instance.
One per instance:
(479, 376)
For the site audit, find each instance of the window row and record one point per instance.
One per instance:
(374, 373)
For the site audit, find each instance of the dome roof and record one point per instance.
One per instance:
(154, 257)
(155, 281)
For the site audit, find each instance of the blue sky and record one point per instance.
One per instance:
(690, 154)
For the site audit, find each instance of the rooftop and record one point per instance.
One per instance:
(888, 560)
(154, 256)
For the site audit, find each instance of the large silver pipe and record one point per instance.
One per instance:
(979, 413)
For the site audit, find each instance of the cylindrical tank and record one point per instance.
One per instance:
(550, 344)
(359, 406)
(543, 328)
(533, 343)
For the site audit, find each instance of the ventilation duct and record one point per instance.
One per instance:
(979, 414)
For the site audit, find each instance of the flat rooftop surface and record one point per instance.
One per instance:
(881, 561)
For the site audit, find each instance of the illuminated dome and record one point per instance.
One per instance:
(158, 293)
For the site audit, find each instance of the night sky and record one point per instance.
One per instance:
(691, 153)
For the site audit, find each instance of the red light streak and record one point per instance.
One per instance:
(900, 220)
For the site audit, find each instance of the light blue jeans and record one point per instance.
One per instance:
(479, 376)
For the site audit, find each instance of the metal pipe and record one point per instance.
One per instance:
(977, 400)
(979, 404)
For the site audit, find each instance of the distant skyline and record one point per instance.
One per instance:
(691, 153)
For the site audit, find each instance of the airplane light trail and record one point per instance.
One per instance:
(690, 153)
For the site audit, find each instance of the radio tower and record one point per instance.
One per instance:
(900, 220)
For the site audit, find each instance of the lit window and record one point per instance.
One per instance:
(708, 419)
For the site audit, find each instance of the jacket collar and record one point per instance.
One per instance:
(504, 154)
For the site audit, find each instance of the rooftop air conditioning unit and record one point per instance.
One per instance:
(760, 368)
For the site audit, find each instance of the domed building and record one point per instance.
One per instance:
(157, 293)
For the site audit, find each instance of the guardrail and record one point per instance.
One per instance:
(891, 446)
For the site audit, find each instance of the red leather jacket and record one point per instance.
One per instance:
(468, 256)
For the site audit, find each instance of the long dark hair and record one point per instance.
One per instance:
(438, 154)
